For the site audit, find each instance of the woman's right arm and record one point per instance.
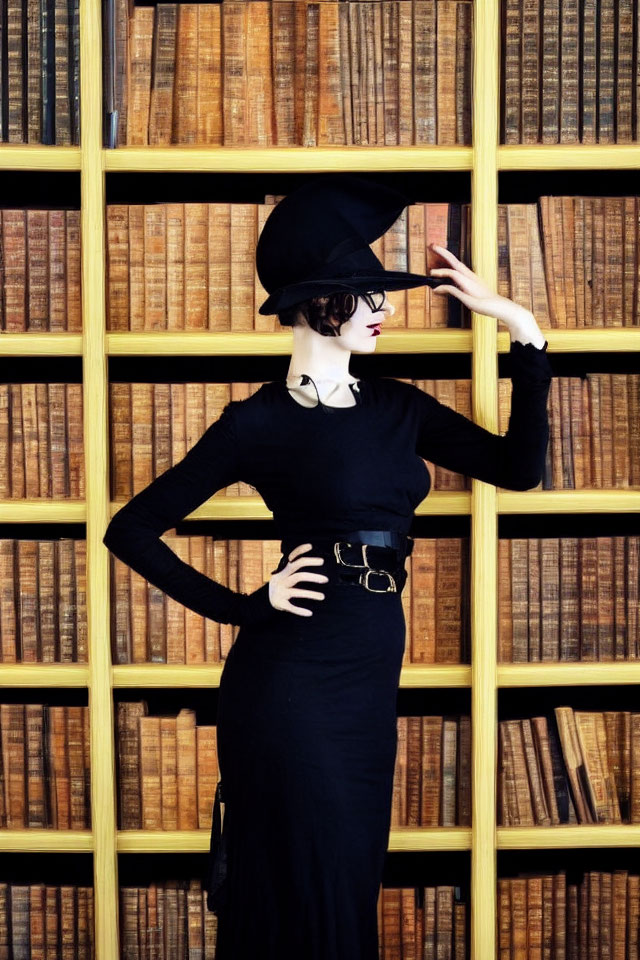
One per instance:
(134, 532)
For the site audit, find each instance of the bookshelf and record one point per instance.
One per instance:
(483, 504)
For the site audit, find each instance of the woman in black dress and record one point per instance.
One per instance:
(306, 722)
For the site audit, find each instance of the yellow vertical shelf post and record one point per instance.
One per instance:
(484, 251)
(94, 375)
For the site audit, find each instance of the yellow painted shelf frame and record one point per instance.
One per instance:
(484, 502)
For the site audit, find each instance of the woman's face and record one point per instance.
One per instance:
(360, 332)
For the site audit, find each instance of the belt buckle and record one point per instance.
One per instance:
(336, 550)
(364, 580)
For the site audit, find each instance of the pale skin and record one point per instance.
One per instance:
(326, 360)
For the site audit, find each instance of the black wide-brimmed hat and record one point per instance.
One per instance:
(316, 240)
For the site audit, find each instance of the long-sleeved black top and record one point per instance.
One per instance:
(328, 470)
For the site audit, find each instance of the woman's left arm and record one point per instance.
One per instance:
(516, 459)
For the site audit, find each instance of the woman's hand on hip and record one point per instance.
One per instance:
(282, 585)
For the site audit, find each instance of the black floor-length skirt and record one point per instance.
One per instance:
(307, 737)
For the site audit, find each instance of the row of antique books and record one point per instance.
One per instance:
(422, 923)
(568, 599)
(166, 920)
(569, 260)
(559, 599)
(581, 766)
(543, 915)
(594, 427)
(539, 915)
(148, 626)
(41, 441)
(289, 73)
(46, 920)
(191, 266)
(168, 769)
(432, 777)
(45, 767)
(40, 72)
(40, 270)
(43, 601)
(567, 78)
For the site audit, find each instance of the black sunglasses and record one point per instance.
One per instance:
(375, 299)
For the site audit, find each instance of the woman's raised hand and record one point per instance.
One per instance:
(473, 291)
(282, 585)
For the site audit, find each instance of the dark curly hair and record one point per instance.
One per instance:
(321, 313)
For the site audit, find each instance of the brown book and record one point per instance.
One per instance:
(37, 812)
(449, 770)
(61, 53)
(399, 800)
(309, 77)
(186, 75)
(448, 600)
(422, 597)
(506, 799)
(78, 813)
(414, 763)
(523, 815)
(154, 266)
(550, 598)
(432, 728)
(571, 600)
(464, 772)
(534, 916)
(534, 604)
(505, 622)
(207, 773)
(604, 550)
(141, 26)
(406, 135)
(543, 753)
(606, 429)
(331, 123)
(150, 773)
(129, 770)
(574, 763)
(136, 263)
(169, 772)
(163, 69)
(283, 54)
(588, 548)
(59, 770)
(538, 799)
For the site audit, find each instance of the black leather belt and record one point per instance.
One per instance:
(373, 559)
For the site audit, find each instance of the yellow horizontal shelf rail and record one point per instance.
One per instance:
(568, 836)
(196, 841)
(36, 344)
(47, 840)
(196, 343)
(413, 675)
(420, 157)
(621, 500)
(43, 511)
(44, 674)
(289, 159)
(253, 343)
(36, 156)
(619, 672)
(569, 156)
(207, 675)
